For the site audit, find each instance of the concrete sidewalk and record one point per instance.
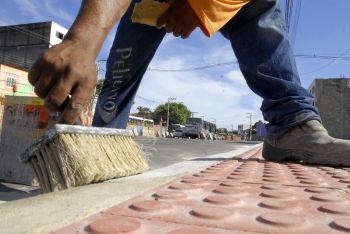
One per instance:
(48, 212)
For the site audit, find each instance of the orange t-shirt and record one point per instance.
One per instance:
(214, 14)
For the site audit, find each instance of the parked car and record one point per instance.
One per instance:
(178, 133)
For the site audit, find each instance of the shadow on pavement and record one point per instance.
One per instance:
(11, 192)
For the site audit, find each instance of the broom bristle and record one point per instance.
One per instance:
(77, 159)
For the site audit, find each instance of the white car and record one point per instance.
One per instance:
(178, 133)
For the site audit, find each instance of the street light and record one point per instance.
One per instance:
(167, 119)
(249, 115)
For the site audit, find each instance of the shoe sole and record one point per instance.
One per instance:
(275, 154)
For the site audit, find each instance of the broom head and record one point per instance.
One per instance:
(70, 155)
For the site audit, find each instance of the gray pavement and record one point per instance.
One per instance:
(48, 212)
(161, 152)
(166, 151)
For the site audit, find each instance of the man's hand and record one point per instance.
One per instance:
(65, 69)
(180, 19)
(69, 68)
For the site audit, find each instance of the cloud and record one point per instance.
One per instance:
(218, 99)
(39, 11)
(168, 38)
(236, 77)
(29, 7)
(219, 93)
(51, 8)
(5, 20)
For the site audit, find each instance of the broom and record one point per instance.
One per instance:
(69, 156)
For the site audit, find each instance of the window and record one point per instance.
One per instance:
(59, 35)
(11, 79)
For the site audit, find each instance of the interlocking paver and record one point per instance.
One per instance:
(243, 194)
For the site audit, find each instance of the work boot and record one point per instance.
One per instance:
(308, 143)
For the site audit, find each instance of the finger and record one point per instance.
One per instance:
(56, 98)
(44, 84)
(170, 25)
(35, 71)
(177, 31)
(186, 33)
(76, 105)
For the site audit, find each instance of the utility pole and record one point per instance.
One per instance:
(249, 115)
(167, 119)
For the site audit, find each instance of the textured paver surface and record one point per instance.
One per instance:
(240, 195)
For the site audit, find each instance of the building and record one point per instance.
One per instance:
(21, 45)
(243, 128)
(332, 97)
(14, 81)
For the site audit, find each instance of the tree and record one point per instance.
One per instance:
(99, 86)
(144, 112)
(178, 113)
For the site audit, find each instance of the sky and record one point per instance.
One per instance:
(219, 94)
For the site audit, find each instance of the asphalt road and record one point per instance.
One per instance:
(166, 151)
(161, 152)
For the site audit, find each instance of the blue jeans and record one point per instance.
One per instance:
(260, 42)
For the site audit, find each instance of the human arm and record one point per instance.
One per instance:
(69, 67)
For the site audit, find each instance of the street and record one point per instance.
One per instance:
(161, 152)
(166, 151)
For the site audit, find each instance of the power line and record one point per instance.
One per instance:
(296, 18)
(288, 13)
(340, 57)
(19, 59)
(186, 69)
(193, 68)
(145, 99)
(327, 57)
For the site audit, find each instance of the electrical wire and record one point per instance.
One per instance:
(306, 56)
(288, 13)
(145, 99)
(193, 68)
(330, 63)
(295, 24)
(327, 57)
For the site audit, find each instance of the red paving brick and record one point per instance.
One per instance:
(240, 195)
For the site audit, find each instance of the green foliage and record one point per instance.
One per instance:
(144, 112)
(99, 86)
(178, 113)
